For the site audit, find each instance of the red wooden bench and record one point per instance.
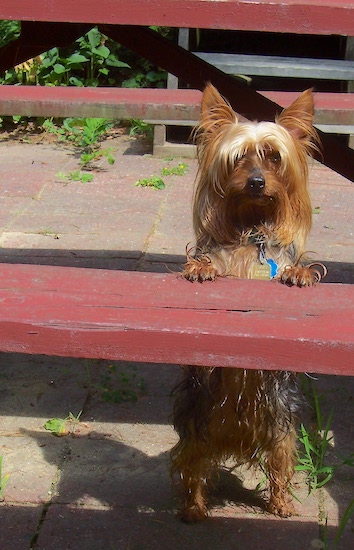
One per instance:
(154, 317)
(145, 103)
(161, 318)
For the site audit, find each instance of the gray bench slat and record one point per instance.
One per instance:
(295, 67)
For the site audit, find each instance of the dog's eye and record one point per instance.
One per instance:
(274, 157)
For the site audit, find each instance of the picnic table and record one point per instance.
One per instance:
(43, 312)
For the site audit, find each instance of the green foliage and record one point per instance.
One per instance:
(9, 31)
(63, 426)
(86, 132)
(75, 175)
(3, 481)
(117, 383)
(141, 128)
(120, 384)
(179, 170)
(315, 446)
(93, 60)
(311, 460)
(155, 182)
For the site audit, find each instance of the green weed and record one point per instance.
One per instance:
(155, 182)
(116, 383)
(92, 60)
(120, 386)
(315, 445)
(3, 481)
(87, 158)
(179, 170)
(76, 175)
(63, 426)
(86, 134)
(141, 128)
(312, 458)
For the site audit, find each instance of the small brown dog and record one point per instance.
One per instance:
(252, 215)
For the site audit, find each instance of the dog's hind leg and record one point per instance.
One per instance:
(280, 469)
(193, 481)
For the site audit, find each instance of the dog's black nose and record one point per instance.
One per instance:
(256, 183)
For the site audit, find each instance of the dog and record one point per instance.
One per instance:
(252, 216)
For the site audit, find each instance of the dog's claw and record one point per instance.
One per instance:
(302, 276)
(199, 270)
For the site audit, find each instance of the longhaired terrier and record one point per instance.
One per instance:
(252, 216)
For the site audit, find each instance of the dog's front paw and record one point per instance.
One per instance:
(297, 275)
(199, 269)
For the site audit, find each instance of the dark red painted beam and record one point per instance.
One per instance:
(116, 103)
(164, 319)
(294, 16)
(145, 103)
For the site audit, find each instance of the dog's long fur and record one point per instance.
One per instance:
(251, 208)
(232, 218)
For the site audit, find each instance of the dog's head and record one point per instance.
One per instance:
(256, 172)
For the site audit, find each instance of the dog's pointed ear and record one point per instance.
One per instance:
(298, 117)
(215, 111)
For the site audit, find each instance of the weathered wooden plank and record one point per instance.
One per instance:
(277, 66)
(294, 16)
(116, 103)
(162, 318)
(146, 104)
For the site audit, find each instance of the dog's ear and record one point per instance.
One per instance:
(298, 117)
(215, 111)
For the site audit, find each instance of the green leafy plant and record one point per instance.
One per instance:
(179, 170)
(311, 460)
(117, 383)
(86, 132)
(76, 175)
(141, 128)
(3, 480)
(63, 426)
(9, 31)
(315, 445)
(120, 386)
(155, 182)
(94, 59)
(87, 158)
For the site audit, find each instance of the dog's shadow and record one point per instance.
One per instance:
(228, 487)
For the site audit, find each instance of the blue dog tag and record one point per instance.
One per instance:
(273, 267)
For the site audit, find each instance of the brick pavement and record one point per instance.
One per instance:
(107, 486)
